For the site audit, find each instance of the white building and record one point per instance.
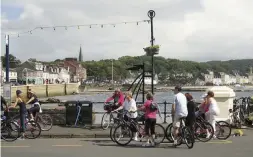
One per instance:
(217, 81)
(64, 75)
(12, 75)
(209, 77)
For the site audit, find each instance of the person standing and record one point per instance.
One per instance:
(191, 107)
(179, 108)
(151, 110)
(130, 106)
(213, 111)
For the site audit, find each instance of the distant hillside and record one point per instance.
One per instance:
(242, 65)
(176, 70)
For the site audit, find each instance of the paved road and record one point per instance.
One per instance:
(237, 146)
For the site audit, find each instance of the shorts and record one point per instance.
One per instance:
(150, 126)
(176, 122)
(34, 110)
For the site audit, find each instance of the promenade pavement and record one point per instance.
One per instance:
(95, 132)
(76, 147)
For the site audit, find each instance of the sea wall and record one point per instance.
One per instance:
(46, 90)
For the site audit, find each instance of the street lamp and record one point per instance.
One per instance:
(151, 15)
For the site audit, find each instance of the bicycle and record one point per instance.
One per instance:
(125, 129)
(108, 118)
(185, 135)
(44, 120)
(8, 129)
(30, 126)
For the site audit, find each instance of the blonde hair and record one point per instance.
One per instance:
(149, 96)
(128, 93)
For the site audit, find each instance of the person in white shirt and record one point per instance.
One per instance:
(130, 106)
(179, 110)
(213, 110)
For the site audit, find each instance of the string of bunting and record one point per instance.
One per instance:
(76, 26)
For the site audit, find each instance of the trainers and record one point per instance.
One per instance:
(135, 138)
(208, 135)
(175, 142)
(146, 144)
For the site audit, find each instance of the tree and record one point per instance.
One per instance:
(12, 59)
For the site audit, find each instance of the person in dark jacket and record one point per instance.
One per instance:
(191, 106)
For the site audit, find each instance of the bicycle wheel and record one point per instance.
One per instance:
(159, 134)
(123, 134)
(106, 120)
(9, 131)
(45, 121)
(201, 131)
(188, 137)
(115, 124)
(221, 128)
(32, 130)
(168, 132)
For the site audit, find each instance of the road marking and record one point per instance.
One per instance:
(221, 142)
(67, 145)
(14, 146)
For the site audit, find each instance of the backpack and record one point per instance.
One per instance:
(153, 107)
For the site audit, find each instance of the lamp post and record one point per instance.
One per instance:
(151, 15)
(7, 60)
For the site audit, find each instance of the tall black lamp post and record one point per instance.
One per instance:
(151, 15)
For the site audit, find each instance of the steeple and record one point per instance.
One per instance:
(80, 55)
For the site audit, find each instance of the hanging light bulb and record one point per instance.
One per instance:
(90, 26)
(78, 27)
(54, 28)
(113, 25)
(125, 22)
(66, 28)
(41, 27)
(137, 23)
(30, 32)
(102, 26)
(18, 35)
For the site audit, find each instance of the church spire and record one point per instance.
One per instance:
(80, 59)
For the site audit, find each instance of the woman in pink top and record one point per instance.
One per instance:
(150, 109)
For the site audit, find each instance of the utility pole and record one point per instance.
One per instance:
(7, 60)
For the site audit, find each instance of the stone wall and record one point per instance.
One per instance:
(47, 90)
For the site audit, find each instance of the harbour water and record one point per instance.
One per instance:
(160, 97)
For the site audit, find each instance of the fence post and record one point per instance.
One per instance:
(165, 109)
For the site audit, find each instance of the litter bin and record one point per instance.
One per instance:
(78, 112)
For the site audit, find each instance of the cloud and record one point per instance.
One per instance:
(192, 30)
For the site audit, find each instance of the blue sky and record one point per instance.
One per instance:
(12, 12)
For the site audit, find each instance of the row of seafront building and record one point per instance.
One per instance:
(36, 72)
(222, 78)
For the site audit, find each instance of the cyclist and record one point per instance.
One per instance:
(35, 105)
(179, 108)
(117, 97)
(22, 111)
(130, 106)
(3, 103)
(213, 110)
(150, 109)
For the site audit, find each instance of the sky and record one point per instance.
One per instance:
(197, 30)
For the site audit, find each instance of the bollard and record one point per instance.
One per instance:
(165, 109)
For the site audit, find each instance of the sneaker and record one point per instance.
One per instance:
(135, 138)
(175, 142)
(214, 137)
(147, 144)
(21, 138)
(208, 135)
